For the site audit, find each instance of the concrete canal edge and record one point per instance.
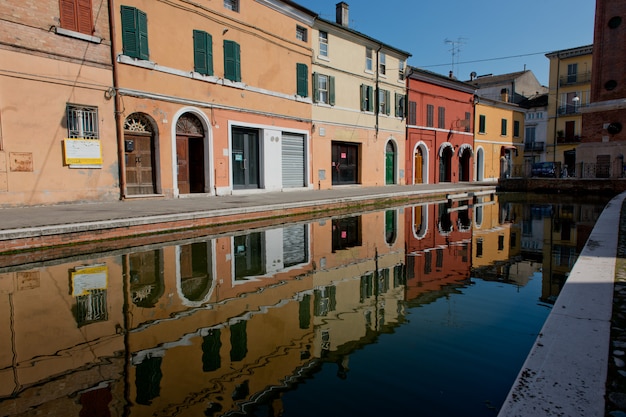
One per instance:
(565, 373)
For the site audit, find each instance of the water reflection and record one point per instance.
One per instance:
(237, 324)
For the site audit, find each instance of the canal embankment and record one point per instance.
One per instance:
(566, 372)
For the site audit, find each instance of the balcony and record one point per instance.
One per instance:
(534, 147)
(569, 109)
(568, 139)
(573, 79)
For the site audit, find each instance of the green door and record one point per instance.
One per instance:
(390, 164)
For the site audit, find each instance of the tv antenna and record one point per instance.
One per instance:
(455, 50)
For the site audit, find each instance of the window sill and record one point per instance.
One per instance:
(77, 35)
(323, 58)
(125, 59)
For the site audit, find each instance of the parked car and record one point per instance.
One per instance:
(544, 169)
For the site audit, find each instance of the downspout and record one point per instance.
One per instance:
(556, 104)
(119, 125)
(376, 93)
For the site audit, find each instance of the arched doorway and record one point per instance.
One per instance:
(190, 154)
(465, 158)
(445, 163)
(139, 151)
(390, 163)
(480, 164)
(418, 166)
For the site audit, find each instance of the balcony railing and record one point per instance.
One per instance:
(534, 146)
(572, 79)
(568, 139)
(570, 109)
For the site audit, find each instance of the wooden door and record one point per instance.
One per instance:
(182, 164)
(139, 164)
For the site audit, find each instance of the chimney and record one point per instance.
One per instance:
(342, 14)
(504, 95)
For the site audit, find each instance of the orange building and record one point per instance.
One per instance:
(212, 98)
(57, 130)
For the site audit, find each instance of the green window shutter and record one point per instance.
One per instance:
(302, 72)
(316, 90)
(130, 35)
(387, 102)
(363, 97)
(370, 98)
(202, 52)
(331, 90)
(199, 52)
(142, 20)
(232, 64)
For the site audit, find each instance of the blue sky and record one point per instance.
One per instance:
(487, 36)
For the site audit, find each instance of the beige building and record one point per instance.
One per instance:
(570, 85)
(358, 131)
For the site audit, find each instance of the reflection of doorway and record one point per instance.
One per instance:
(346, 233)
(145, 272)
(345, 163)
(190, 154)
(249, 251)
(445, 164)
(195, 270)
(139, 155)
(245, 158)
(390, 163)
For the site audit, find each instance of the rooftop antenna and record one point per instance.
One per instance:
(455, 50)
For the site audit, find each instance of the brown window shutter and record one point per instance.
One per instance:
(67, 9)
(85, 19)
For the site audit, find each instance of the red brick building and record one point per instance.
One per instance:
(603, 133)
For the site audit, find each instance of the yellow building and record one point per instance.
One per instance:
(498, 139)
(570, 85)
(358, 133)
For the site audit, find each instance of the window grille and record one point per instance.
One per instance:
(82, 122)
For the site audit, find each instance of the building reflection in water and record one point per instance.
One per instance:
(226, 323)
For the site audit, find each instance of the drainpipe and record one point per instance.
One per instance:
(556, 105)
(376, 94)
(119, 124)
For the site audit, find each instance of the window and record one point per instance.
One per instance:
(301, 33)
(503, 127)
(400, 105)
(382, 63)
(82, 122)
(324, 88)
(323, 39)
(441, 118)
(401, 71)
(572, 72)
(468, 116)
(430, 115)
(384, 97)
(135, 33)
(412, 116)
(232, 5)
(76, 15)
(482, 123)
(232, 61)
(530, 134)
(302, 80)
(367, 98)
(202, 52)
(369, 65)
(516, 128)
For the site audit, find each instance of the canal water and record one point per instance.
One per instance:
(426, 310)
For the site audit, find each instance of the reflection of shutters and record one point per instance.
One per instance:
(294, 245)
(293, 161)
